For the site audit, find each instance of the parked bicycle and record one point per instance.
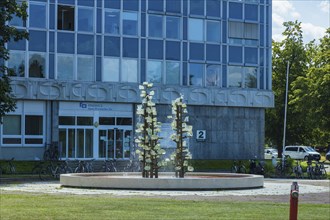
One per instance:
(51, 171)
(84, 166)
(109, 166)
(297, 170)
(283, 171)
(51, 152)
(238, 167)
(9, 167)
(256, 167)
(319, 171)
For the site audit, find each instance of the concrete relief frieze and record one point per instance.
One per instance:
(128, 94)
(49, 90)
(169, 94)
(20, 89)
(97, 93)
(199, 96)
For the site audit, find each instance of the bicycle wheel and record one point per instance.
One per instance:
(44, 174)
(234, 169)
(242, 169)
(46, 155)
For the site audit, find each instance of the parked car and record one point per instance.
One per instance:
(301, 153)
(327, 156)
(270, 153)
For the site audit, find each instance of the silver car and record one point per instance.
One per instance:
(271, 153)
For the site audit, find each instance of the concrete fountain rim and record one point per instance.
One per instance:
(165, 181)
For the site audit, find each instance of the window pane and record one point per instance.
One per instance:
(124, 121)
(173, 30)
(213, 31)
(236, 29)
(110, 70)
(85, 19)
(154, 71)
(213, 8)
(86, 3)
(129, 70)
(197, 7)
(86, 44)
(65, 18)
(234, 76)
(33, 125)
(250, 77)
(37, 41)
(173, 51)
(16, 63)
(235, 10)
(37, 16)
(130, 23)
(213, 52)
(67, 120)
(155, 5)
(155, 26)
(84, 120)
(112, 4)
(37, 65)
(112, 46)
(155, 49)
(112, 22)
(11, 125)
(235, 54)
(130, 47)
(132, 5)
(33, 141)
(251, 12)
(195, 29)
(173, 6)
(85, 69)
(251, 31)
(16, 21)
(64, 67)
(196, 51)
(196, 72)
(173, 73)
(65, 43)
(17, 45)
(251, 55)
(213, 73)
(107, 121)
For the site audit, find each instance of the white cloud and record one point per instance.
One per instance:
(295, 15)
(325, 6)
(312, 31)
(277, 20)
(282, 7)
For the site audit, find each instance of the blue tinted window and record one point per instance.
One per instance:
(85, 44)
(98, 45)
(98, 69)
(65, 43)
(143, 48)
(112, 22)
(131, 5)
(155, 26)
(67, 2)
(196, 51)
(143, 24)
(235, 10)
(85, 19)
(86, 3)
(130, 23)
(37, 41)
(213, 31)
(262, 14)
(155, 5)
(37, 16)
(197, 7)
(19, 45)
(196, 29)
(224, 54)
(261, 51)
(213, 8)
(155, 49)
(130, 47)
(173, 6)
(251, 55)
(185, 49)
(173, 51)
(173, 29)
(213, 52)
(235, 54)
(51, 66)
(51, 16)
(112, 4)
(99, 3)
(251, 12)
(112, 46)
(51, 42)
(99, 21)
(196, 72)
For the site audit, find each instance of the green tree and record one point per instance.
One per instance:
(291, 50)
(8, 10)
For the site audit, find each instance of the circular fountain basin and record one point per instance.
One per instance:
(165, 181)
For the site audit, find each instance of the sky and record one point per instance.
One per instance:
(313, 14)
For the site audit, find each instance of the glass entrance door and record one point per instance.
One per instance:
(115, 143)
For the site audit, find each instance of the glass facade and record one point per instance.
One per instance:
(218, 43)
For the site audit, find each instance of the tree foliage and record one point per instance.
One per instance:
(309, 90)
(8, 9)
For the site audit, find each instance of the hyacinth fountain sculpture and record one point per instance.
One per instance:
(182, 131)
(147, 133)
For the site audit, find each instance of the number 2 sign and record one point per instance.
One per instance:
(201, 135)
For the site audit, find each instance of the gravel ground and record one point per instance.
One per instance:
(274, 190)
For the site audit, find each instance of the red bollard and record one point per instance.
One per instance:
(294, 194)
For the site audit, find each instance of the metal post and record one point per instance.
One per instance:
(285, 111)
(294, 194)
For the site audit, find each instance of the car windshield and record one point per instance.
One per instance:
(311, 149)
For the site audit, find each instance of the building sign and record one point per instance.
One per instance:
(94, 106)
(200, 135)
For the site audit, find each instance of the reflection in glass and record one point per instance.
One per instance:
(155, 26)
(213, 31)
(62, 143)
(89, 143)
(213, 75)
(251, 55)
(16, 63)
(195, 29)
(37, 16)
(37, 41)
(64, 67)
(119, 143)
(85, 19)
(112, 22)
(235, 76)
(235, 10)
(12, 125)
(173, 27)
(235, 54)
(86, 44)
(197, 7)
(129, 70)
(196, 72)
(173, 73)
(72, 143)
(65, 43)
(65, 17)
(37, 65)
(213, 8)
(85, 69)
(127, 143)
(110, 71)
(80, 143)
(250, 77)
(154, 71)
(130, 22)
